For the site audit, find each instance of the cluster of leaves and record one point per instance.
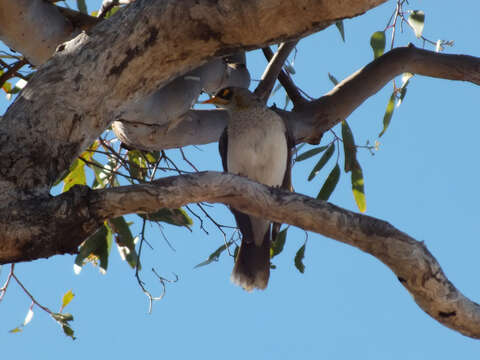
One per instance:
(133, 166)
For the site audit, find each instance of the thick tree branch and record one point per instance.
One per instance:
(131, 55)
(309, 121)
(409, 259)
(339, 103)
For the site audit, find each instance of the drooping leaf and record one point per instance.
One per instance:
(403, 92)
(417, 22)
(387, 117)
(67, 298)
(377, 42)
(308, 154)
(28, 317)
(330, 184)
(358, 188)
(68, 331)
(63, 321)
(278, 243)
(323, 160)
(125, 240)
(76, 175)
(96, 248)
(349, 147)
(403, 89)
(333, 79)
(82, 6)
(299, 259)
(178, 217)
(339, 25)
(215, 255)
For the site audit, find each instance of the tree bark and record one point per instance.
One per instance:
(63, 109)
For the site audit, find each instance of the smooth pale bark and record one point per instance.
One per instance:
(310, 120)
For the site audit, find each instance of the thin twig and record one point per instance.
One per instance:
(3, 290)
(30, 295)
(12, 71)
(187, 161)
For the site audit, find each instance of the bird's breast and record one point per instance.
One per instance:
(257, 149)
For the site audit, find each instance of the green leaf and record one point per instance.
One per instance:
(76, 175)
(330, 184)
(215, 255)
(403, 92)
(82, 6)
(278, 243)
(308, 154)
(96, 248)
(63, 320)
(299, 259)
(68, 331)
(348, 146)
(417, 22)
(112, 12)
(323, 160)
(339, 25)
(358, 187)
(176, 217)
(125, 240)
(377, 42)
(137, 164)
(152, 156)
(387, 117)
(333, 79)
(67, 298)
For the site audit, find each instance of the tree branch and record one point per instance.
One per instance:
(409, 259)
(274, 69)
(310, 120)
(342, 100)
(286, 81)
(132, 58)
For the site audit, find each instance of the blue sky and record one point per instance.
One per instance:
(423, 180)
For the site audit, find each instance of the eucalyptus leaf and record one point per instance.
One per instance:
(312, 152)
(323, 160)
(387, 117)
(377, 42)
(417, 22)
(330, 184)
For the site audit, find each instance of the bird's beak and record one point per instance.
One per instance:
(216, 101)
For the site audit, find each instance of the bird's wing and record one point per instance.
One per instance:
(223, 148)
(287, 179)
(243, 221)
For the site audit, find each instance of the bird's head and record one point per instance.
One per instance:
(233, 98)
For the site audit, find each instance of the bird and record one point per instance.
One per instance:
(255, 144)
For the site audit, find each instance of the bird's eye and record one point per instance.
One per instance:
(226, 94)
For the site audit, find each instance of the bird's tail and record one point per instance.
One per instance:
(252, 265)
